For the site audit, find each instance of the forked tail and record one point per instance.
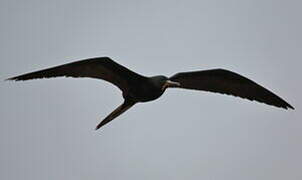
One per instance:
(118, 111)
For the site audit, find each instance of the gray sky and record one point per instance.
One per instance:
(47, 126)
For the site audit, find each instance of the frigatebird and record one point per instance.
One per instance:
(138, 88)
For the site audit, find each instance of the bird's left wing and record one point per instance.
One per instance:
(227, 82)
(99, 68)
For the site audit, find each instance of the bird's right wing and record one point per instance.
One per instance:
(227, 82)
(100, 68)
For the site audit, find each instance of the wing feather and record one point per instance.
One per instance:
(100, 68)
(230, 83)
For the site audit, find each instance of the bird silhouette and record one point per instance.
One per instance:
(138, 88)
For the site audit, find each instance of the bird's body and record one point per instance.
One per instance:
(147, 90)
(138, 88)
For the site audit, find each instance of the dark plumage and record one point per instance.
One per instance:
(138, 88)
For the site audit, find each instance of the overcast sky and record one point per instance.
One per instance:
(47, 126)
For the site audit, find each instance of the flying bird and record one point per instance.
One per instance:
(138, 88)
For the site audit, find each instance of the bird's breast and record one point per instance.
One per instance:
(144, 93)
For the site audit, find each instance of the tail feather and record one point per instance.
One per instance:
(118, 111)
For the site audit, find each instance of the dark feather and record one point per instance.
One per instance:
(227, 82)
(99, 68)
(118, 111)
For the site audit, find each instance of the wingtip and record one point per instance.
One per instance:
(10, 79)
(287, 107)
(15, 78)
(290, 107)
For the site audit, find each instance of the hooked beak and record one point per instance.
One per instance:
(169, 83)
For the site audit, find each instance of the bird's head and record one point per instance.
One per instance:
(162, 82)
